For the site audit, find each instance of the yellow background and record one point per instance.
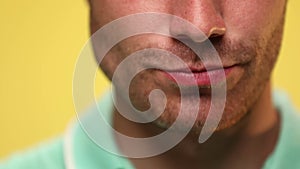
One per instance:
(39, 43)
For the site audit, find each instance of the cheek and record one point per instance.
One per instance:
(252, 18)
(105, 11)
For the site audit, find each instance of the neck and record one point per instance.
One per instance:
(248, 137)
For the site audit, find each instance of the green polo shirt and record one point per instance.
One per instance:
(75, 150)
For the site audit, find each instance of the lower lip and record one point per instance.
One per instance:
(207, 78)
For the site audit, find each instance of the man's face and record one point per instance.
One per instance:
(250, 44)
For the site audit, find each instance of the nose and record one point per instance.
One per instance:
(205, 15)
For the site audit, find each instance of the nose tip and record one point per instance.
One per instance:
(216, 31)
(183, 31)
(204, 15)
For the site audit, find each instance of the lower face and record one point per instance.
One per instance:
(250, 45)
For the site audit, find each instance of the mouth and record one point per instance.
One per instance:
(203, 77)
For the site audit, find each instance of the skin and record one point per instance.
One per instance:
(251, 41)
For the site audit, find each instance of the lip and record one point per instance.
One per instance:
(200, 77)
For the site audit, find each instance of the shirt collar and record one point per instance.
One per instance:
(81, 152)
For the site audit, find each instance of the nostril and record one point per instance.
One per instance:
(215, 40)
(214, 35)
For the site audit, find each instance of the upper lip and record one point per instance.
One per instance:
(208, 67)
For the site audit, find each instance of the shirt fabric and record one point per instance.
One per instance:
(75, 150)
